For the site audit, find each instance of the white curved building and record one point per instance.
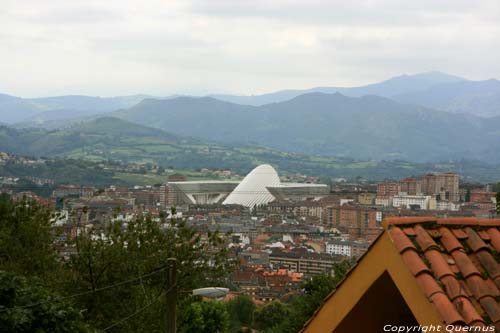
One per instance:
(253, 190)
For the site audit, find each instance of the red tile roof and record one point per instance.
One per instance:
(455, 261)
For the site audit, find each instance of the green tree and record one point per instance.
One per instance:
(241, 312)
(315, 291)
(467, 195)
(142, 248)
(27, 239)
(271, 315)
(206, 317)
(49, 314)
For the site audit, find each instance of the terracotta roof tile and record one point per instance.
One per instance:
(468, 312)
(478, 286)
(401, 241)
(474, 241)
(414, 262)
(489, 263)
(489, 222)
(494, 291)
(409, 220)
(449, 241)
(423, 239)
(495, 238)
(428, 284)
(452, 287)
(460, 221)
(446, 309)
(465, 288)
(497, 282)
(484, 235)
(434, 233)
(460, 234)
(409, 231)
(438, 264)
(455, 263)
(464, 263)
(491, 307)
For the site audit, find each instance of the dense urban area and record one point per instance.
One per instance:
(279, 244)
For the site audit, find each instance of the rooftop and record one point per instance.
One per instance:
(440, 271)
(455, 263)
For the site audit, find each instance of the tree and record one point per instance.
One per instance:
(271, 315)
(315, 290)
(467, 195)
(49, 315)
(241, 311)
(27, 239)
(120, 253)
(206, 317)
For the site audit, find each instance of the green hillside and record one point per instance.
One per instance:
(368, 127)
(114, 139)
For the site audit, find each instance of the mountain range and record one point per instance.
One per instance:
(421, 118)
(16, 109)
(394, 86)
(431, 89)
(114, 139)
(368, 127)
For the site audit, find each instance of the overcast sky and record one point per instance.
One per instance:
(162, 47)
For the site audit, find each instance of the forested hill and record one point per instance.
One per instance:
(114, 139)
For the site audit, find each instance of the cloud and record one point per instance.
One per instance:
(164, 47)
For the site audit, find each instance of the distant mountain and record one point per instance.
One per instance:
(368, 127)
(391, 87)
(481, 98)
(81, 102)
(15, 109)
(99, 131)
(114, 139)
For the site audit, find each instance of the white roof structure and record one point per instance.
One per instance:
(252, 190)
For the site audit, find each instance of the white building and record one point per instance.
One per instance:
(386, 202)
(252, 189)
(447, 205)
(407, 201)
(340, 247)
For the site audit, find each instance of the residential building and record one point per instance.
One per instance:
(339, 247)
(479, 195)
(360, 222)
(411, 186)
(411, 201)
(307, 263)
(388, 189)
(366, 198)
(444, 186)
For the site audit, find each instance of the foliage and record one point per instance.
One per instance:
(108, 139)
(467, 195)
(142, 248)
(48, 316)
(206, 317)
(271, 315)
(26, 239)
(115, 270)
(241, 312)
(315, 291)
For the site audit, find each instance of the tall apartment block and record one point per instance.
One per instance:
(444, 186)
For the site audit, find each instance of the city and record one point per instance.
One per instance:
(266, 166)
(280, 233)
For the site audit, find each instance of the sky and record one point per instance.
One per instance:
(164, 47)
